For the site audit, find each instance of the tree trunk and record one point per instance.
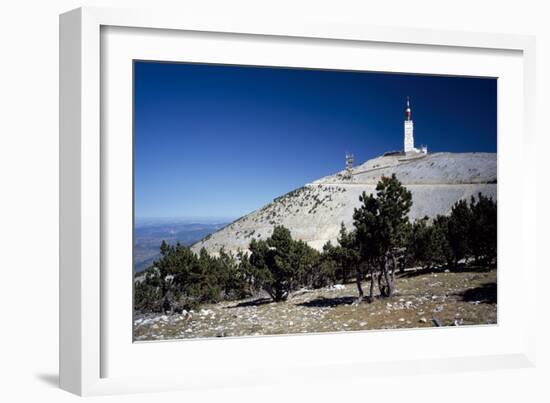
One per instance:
(402, 265)
(166, 305)
(381, 285)
(385, 281)
(344, 275)
(371, 291)
(358, 282)
(394, 267)
(389, 282)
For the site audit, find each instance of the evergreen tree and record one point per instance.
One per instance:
(426, 245)
(347, 254)
(458, 230)
(329, 266)
(382, 235)
(380, 224)
(248, 273)
(282, 264)
(419, 243)
(483, 229)
(307, 266)
(440, 249)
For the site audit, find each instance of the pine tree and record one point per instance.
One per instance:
(380, 224)
(458, 230)
(282, 264)
(483, 229)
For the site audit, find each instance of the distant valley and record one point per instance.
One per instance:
(149, 234)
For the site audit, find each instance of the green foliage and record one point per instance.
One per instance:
(382, 236)
(282, 264)
(418, 242)
(180, 279)
(483, 228)
(441, 252)
(470, 231)
(346, 254)
(381, 221)
(330, 269)
(276, 261)
(458, 230)
(427, 244)
(147, 297)
(381, 225)
(313, 271)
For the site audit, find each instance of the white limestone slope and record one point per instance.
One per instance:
(314, 212)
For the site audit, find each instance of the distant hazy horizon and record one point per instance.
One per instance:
(216, 142)
(183, 220)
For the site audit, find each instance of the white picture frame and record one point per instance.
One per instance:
(93, 349)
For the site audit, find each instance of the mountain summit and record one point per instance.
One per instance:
(314, 212)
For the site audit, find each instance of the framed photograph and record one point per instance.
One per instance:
(236, 197)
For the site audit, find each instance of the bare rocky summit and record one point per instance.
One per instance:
(313, 213)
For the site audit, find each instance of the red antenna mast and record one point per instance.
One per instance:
(408, 110)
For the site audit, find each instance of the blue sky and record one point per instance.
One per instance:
(220, 141)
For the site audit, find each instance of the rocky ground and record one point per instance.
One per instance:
(423, 299)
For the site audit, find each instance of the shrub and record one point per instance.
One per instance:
(281, 264)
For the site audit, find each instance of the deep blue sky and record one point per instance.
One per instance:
(221, 141)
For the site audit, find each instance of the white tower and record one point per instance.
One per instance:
(408, 125)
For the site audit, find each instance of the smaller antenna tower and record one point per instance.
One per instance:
(349, 166)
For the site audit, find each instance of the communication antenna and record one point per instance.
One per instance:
(349, 166)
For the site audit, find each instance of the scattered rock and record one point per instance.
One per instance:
(411, 308)
(332, 207)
